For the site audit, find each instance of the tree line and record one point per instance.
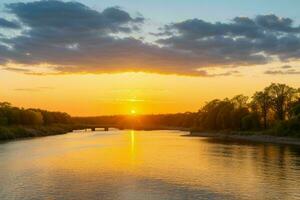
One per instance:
(275, 109)
(10, 115)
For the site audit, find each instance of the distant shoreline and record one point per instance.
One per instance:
(22, 132)
(250, 138)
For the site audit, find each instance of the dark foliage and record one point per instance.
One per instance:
(276, 109)
(10, 115)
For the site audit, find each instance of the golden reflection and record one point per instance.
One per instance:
(132, 144)
(195, 162)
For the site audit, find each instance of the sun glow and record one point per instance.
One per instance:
(132, 112)
(132, 137)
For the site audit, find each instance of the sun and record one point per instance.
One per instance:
(132, 111)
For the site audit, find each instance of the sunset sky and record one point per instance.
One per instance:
(104, 57)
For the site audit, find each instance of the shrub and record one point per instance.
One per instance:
(251, 122)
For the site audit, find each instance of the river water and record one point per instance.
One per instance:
(146, 165)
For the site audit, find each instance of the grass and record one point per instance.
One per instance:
(15, 132)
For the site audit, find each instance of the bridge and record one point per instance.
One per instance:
(105, 128)
(94, 127)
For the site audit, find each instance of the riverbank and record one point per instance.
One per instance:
(17, 132)
(249, 136)
(156, 128)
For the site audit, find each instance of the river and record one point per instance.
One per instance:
(146, 165)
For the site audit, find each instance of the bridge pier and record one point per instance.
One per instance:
(105, 129)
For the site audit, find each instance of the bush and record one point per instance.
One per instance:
(251, 122)
(6, 134)
(288, 128)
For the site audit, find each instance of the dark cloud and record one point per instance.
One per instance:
(73, 38)
(244, 41)
(9, 24)
(71, 16)
(273, 22)
(5, 53)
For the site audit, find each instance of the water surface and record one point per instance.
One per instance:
(146, 165)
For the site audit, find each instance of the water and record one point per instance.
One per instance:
(146, 165)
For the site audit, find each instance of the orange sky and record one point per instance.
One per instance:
(107, 94)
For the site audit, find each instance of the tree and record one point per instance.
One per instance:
(281, 95)
(31, 117)
(295, 111)
(263, 101)
(223, 119)
(240, 101)
(251, 122)
(5, 105)
(208, 114)
(237, 115)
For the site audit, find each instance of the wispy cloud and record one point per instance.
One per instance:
(132, 100)
(286, 67)
(142, 89)
(34, 89)
(282, 72)
(15, 69)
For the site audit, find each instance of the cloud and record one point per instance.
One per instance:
(15, 69)
(286, 67)
(73, 38)
(282, 72)
(273, 22)
(9, 24)
(71, 16)
(206, 73)
(132, 100)
(34, 89)
(243, 41)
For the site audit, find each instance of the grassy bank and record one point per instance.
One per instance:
(16, 132)
(252, 136)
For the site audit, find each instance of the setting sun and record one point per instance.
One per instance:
(132, 112)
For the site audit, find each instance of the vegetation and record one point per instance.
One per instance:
(19, 123)
(275, 111)
(10, 115)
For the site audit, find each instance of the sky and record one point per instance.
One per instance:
(106, 57)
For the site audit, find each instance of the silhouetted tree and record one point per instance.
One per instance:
(10, 115)
(251, 122)
(281, 95)
(263, 101)
(240, 101)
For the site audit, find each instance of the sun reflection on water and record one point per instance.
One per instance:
(140, 163)
(132, 144)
